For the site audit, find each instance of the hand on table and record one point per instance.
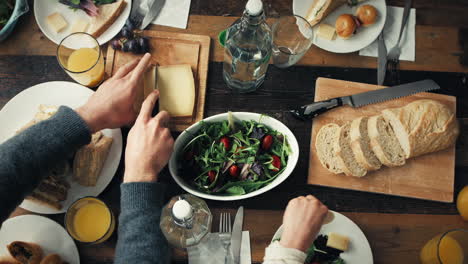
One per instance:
(302, 221)
(149, 144)
(111, 106)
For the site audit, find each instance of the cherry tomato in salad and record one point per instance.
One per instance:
(234, 171)
(226, 142)
(276, 162)
(212, 176)
(267, 142)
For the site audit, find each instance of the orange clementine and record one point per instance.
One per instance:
(462, 203)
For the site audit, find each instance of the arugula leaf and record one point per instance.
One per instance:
(235, 190)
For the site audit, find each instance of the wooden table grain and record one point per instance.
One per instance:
(396, 227)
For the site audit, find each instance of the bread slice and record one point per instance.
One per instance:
(345, 155)
(360, 144)
(423, 126)
(320, 9)
(384, 142)
(324, 144)
(25, 252)
(108, 13)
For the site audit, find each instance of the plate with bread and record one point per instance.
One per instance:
(84, 173)
(36, 239)
(343, 26)
(102, 19)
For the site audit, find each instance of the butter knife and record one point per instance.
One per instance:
(236, 235)
(154, 10)
(310, 111)
(382, 59)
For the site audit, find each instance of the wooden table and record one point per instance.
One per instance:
(396, 227)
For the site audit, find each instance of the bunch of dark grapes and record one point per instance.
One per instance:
(130, 40)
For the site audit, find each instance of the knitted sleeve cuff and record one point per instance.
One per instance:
(276, 252)
(141, 195)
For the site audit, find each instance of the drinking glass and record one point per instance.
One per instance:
(89, 220)
(450, 247)
(80, 55)
(292, 37)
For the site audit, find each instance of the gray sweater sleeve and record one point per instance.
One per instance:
(27, 157)
(140, 238)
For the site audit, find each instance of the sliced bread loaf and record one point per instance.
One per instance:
(384, 142)
(324, 144)
(345, 155)
(360, 144)
(423, 126)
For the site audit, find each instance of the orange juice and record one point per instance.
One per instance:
(449, 251)
(89, 220)
(86, 66)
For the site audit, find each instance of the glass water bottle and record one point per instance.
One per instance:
(247, 50)
(185, 220)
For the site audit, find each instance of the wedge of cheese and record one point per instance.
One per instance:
(337, 241)
(79, 25)
(176, 87)
(326, 31)
(149, 84)
(56, 22)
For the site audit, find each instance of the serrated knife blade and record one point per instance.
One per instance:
(357, 100)
(236, 235)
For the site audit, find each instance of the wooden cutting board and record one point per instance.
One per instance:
(429, 177)
(168, 48)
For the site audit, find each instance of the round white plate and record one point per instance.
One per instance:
(183, 139)
(22, 108)
(43, 8)
(51, 236)
(359, 250)
(364, 35)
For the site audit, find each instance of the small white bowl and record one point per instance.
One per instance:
(183, 139)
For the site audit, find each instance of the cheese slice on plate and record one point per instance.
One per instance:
(326, 31)
(337, 241)
(80, 25)
(176, 87)
(56, 22)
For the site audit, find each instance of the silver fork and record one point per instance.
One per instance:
(394, 54)
(225, 232)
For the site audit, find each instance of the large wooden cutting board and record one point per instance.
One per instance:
(168, 48)
(429, 177)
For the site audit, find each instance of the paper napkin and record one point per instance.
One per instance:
(175, 13)
(391, 31)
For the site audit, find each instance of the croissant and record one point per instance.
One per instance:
(25, 252)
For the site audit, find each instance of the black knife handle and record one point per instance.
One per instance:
(310, 111)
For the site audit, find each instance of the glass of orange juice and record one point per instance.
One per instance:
(90, 220)
(80, 55)
(450, 247)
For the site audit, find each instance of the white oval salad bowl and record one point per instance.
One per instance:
(272, 123)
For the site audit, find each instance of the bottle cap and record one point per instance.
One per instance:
(182, 210)
(254, 7)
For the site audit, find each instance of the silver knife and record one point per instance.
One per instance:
(357, 100)
(236, 235)
(154, 10)
(382, 59)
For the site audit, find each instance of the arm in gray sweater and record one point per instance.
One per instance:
(27, 157)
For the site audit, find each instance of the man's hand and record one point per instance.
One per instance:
(111, 106)
(149, 144)
(302, 221)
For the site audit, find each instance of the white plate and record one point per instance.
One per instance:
(24, 106)
(364, 35)
(269, 121)
(359, 250)
(51, 236)
(43, 8)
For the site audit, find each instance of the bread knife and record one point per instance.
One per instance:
(310, 111)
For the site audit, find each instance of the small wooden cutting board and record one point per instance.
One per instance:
(429, 177)
(169, 48)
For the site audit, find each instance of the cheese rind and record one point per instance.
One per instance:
(149, 84)
(338, 241)
(80, 25)
(326, 31)
(176, 87)
(56, 22)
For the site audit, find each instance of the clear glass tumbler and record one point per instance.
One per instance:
(292, 37)
(450, 247)
(80, 55)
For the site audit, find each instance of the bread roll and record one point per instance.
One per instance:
(345, 26)
(25, 252)
(367, 15)
(423, 126)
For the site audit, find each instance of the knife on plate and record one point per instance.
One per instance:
(310, 111)
(236, 235)
(154, 10)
